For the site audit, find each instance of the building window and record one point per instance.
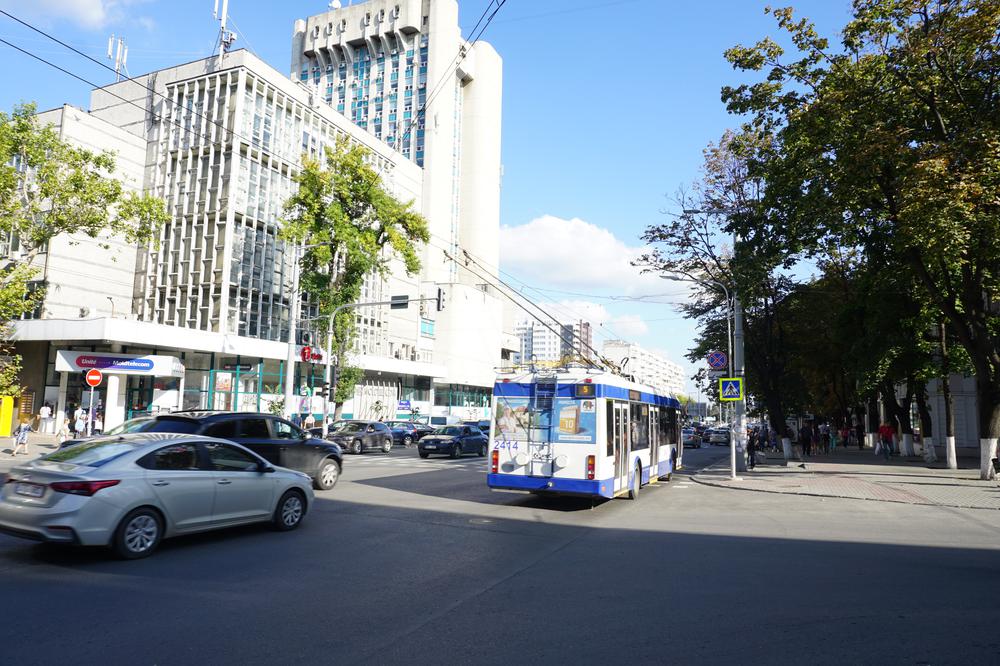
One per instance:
(427, 328)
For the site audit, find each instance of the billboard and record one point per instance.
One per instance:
(569, 421)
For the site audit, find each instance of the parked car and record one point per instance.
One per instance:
(690, 438)
(454, 440)
(407, 432)
(273, 439)
(483, 424)
(359, 436)
(131, 491)
(132, 425)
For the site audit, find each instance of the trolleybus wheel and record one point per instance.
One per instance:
(633, 492)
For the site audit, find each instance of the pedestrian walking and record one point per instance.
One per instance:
(78, 413)
(45, 418)
(98, 423)
(752, 450)
(859, 433)
(21, 437)
(806, 438)
(80, 425)
(63, 433)
(885, 434)
(824, 438)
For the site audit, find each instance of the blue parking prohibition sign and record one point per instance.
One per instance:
(731, 389)
(717, 360)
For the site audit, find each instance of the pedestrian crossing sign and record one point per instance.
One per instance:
(731, 389)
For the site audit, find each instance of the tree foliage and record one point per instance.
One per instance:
(352, 229)
(890, 146)
(49, 187)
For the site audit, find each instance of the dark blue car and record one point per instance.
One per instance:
(454, 441)
(407, 432)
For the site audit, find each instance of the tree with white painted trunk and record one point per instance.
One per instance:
(891, 144)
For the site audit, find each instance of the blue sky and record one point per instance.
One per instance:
(607, 107)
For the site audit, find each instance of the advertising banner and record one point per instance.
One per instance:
(119, 364)
(570, 421)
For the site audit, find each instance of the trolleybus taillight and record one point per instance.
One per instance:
(590, 468)
(495, 464)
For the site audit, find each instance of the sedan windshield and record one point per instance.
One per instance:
(348, 426)
(448, 430)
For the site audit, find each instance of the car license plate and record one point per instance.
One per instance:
(430, 446)
(29, 489)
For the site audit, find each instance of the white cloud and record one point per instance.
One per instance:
(89, 14)
(575, 254)
(605, 324)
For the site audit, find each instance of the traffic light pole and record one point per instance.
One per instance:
(332, 374)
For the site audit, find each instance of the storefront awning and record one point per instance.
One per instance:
(119, 364)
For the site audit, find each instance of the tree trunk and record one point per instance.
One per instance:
(872, 421)
(951, 459)
(988, 394)
(906, 419)
(926, 425)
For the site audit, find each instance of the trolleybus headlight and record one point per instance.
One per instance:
(590, 468)
(495, 461)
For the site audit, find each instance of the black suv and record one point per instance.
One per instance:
(359, 436)
(272, 438)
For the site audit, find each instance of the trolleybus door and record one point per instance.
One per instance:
(621, 445)
(654, 442)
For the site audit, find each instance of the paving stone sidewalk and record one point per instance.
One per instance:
(862, 475)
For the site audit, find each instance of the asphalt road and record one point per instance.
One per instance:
(411, 561)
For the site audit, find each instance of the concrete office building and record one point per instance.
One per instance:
(208, 306)
(551, 343)
(645, 366)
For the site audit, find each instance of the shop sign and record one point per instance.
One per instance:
(310, 354)
(404, 405)
(119, 364)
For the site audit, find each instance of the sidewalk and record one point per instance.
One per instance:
(38, 445)
(861, 475)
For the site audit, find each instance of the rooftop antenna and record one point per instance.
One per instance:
(226, 38)
(118, 55)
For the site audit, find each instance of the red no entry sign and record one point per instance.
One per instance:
(94, 377)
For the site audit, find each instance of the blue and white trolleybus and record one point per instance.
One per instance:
(581, 432)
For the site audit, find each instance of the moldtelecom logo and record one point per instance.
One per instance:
(104, 362)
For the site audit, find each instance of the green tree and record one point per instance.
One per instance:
(49, 187)
(891, 145)
(352, 229)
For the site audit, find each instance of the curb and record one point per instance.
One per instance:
(716, 484)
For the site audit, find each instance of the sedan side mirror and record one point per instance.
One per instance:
(264, 468)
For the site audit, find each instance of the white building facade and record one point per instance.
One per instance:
(647, 367)
(552, 342)
(220, 140)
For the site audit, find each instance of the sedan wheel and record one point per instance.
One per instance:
(407, 441)
(424, 454)
(456, 450)
(138, 534)
(356, 446)
(329, 474)
(482, 451)
(387, 445)
(289, 512)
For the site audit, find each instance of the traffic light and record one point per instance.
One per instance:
(440, 299)
(323, 390)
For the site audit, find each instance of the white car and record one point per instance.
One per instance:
(690, 437)
(719, 436)
(130, 491)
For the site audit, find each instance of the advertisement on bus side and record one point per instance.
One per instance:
(569, 421)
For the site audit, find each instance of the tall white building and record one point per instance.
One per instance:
(220, 140)
(645, 366)
(550, 343)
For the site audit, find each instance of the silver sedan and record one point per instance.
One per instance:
(130, 491)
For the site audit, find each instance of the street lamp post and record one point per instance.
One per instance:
(729, 345)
